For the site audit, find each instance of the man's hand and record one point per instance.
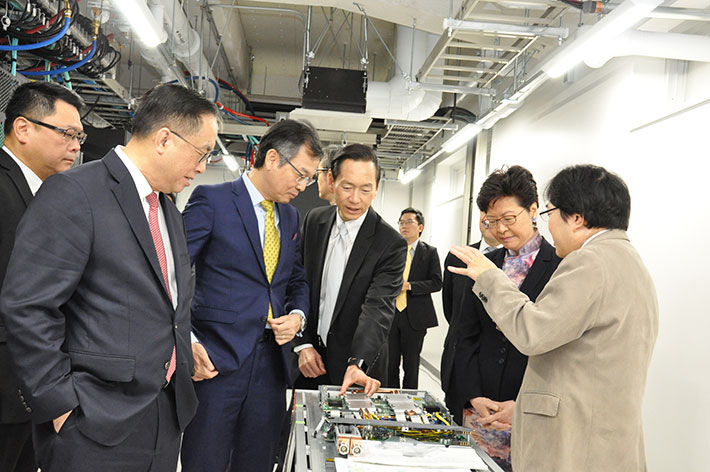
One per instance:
(310, 363)
(476, 262)
(59, 422)
(204, 369)
(285, 327)
(355, 375)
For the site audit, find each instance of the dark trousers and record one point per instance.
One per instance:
(239, 418)
(16, 451)
(405, 345)
(152, 447)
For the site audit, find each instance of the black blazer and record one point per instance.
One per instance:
(485, 362)
(425, 279)
(15, 197)
(90, 324)
(453, 288)
(364, 309)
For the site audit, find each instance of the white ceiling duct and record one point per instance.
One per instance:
(684, 47)
(393, 99)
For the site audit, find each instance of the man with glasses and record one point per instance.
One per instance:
(97, 294)
(251, 299)
(33, 150)
(324, 192)
(414, 308)
(589, 335)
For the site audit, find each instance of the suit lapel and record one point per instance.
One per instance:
(417, 259)
(176, 232)
(127, 196)
(537, 270)
(361, 246)
(285, 224)
(17, 177)
(242, 202)
(322, 236)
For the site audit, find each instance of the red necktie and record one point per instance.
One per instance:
(162, 259)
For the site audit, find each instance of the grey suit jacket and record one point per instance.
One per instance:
(589, 338)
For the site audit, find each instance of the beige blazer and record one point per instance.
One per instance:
(589, 337)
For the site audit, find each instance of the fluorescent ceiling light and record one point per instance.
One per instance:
(619, 20)
(142, 21)
(466, 134)
(230, 161)
(406, 177)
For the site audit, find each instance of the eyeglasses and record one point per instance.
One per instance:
(408, 222)
(203, 155)
(319, 171)
(67, 133)
(506, 220)
(301, 177)
(545, 214)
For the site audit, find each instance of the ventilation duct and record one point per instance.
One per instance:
(394, 100)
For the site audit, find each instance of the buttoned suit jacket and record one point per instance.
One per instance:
(232, 292)
(424, 279)
(15, 195)
(589, 338)
(485, 362)
(90, 324)
(364, 308)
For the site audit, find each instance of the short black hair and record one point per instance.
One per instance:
(329, 153)
(417, 214)
(599, 196)
(173, 106)
(287, 137)
(36, 100)
(356, 152)
(515, 181)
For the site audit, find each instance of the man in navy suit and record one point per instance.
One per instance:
(97, 293)
(31, 153)
(251, 299)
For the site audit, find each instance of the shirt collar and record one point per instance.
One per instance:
(142, 186)
(33, 181)
(254, 194)
(414, 244)
(353, 226)
(594, 236)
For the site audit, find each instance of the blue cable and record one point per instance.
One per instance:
(62, 70)
(41, 44)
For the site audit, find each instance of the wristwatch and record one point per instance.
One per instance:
(356, 361)
(303, 326)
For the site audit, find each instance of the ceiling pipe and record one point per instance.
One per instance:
(394, 99)
(683, 47)
(502, 28)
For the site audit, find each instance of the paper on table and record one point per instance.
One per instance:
(346, 465)
(419, 455)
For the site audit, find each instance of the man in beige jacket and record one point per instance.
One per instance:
(589, 335)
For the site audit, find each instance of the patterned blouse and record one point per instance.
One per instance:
(516, 265)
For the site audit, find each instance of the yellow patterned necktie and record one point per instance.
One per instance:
(272, 244)
(401, 300)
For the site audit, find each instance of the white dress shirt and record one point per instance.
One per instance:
(144, 189)
(33, 181)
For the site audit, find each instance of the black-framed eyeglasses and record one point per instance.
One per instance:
(204, 156)
(506, 220)
(67, 133)
(302, 178)
(320, 171)
(545, 214)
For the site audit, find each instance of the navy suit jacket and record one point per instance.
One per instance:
(90, 324)
(232, 292)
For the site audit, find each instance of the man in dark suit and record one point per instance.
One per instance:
(354, 263)
(251, 299)
(31, 153)
(414, 309)
(97, 293)
(455, 289)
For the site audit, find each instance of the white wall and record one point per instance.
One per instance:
(646, 120)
